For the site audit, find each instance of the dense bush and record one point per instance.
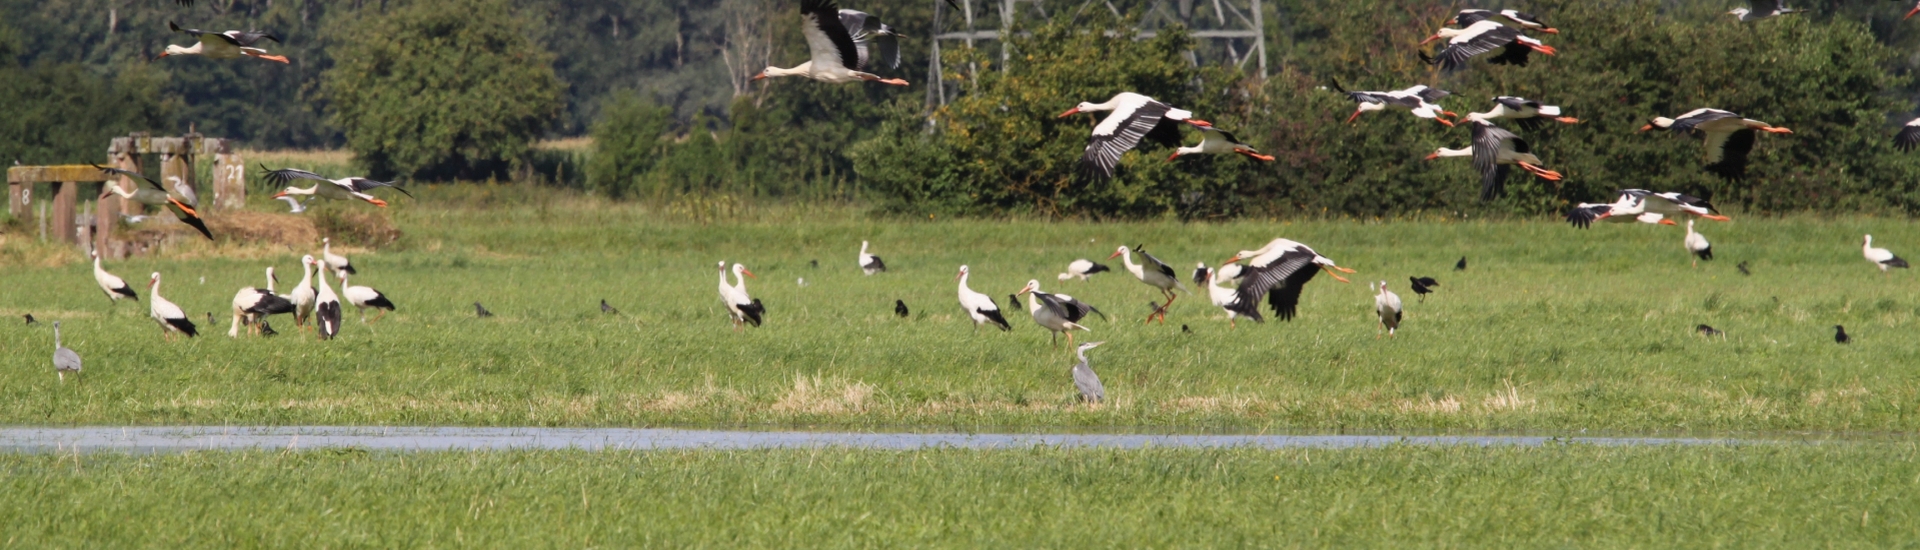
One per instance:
(441, 89)
(627, 142)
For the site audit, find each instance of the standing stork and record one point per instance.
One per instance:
(1418, 100)
(341, 266)
(1278, 272)
(365, 297)
(1131, 117)
(1084, 379)
(834, 55)
(1082, 268)
(1494, 149)
(1479, 38)
(1729, 138)
(1697, 245)
(979, 306)
(740, 307)
(326, 306)
(1154, 273)
(1056, 312)
(1214, 141)
(1386, 306)
(251, 305)
(870, 264)
(171, 318)
(1881, 257)
(302, 294)
(112, 285)
(1526, 113)
(65, 360)
(349, 188)
(223, 45)
(156, 196)
(1222, 297)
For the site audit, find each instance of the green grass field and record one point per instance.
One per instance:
(1789, 495)
(1551, 329)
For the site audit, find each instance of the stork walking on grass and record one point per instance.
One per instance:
(1386, 306)
(1153, 273)
(1083, 268)
(365, 297)
(302, 294)
(741, 308)
(170, 317)
(251, 305)
(326, 305)
(115, 287)
(870, 264)
(980, 307)
(1057, 312)
(222, 45)
(1881, 257)
(1697, 245)
(64, 360)
(1278, 272)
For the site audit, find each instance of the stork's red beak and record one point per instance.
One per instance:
(1916, 9)
(761, 76)
(1647, 127)
(1070, 112)
(1667, 222)
(1433, 155)
(1429, 39)
(1173, 156)
(748, 273)
(1235, 258)
(1356, 114)
(1116, 254)
(1550, 30)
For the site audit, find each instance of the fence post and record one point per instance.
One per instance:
(65, 195)
(229, 176)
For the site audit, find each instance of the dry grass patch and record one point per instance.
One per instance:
(1509, 400)
(1427, 405)
(814, 395)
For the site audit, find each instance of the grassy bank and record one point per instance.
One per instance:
(1835, 495)
(1550, 328)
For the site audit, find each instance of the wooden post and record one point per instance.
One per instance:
(65, 195)
(229, 176)
(19, 198)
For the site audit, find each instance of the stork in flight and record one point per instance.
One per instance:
(1418, 99)
(1494, 149)
(1481, 37)
(222, 45)
(1131, 117)
(350, 188)
(1729, 138)
(1278, 272)
(156, 196)
(836, 55)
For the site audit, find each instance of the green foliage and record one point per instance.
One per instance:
(65, 113)
(626, 144)
(441, 89)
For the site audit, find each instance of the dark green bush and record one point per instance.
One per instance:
(627, 142)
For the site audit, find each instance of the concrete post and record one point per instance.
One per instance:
(229, 177)
(65, 196)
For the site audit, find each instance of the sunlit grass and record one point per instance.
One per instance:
(1551, 328)
(1785, 495)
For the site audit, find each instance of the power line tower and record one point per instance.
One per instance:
(1231, 30)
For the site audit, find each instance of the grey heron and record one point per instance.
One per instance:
(1278, 272)
(365, 297)
(979, 307)
(1085, 379)
(64, 360)
(171, 318)
(870, 264)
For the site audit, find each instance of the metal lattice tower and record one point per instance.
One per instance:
(1231, 29)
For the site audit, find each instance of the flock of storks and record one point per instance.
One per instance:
(848, 46)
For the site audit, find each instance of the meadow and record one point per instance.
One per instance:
(1786, 495)
(1550, 329)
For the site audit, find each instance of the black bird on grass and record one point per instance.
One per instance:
(607, 309)
(1709, 331)
(1185, 330)
(900, 308)
(1840, 335)
(481, 310)
(1423, 286)
(814, 264)
(266, 329)
(30, 319)
(1743, 268)
(1462, 265)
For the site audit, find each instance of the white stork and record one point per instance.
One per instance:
(1154, 273)
(340, 265)
(1697, 245)
(1132, 117)
(1214, 141)
(1481, 37)
(1674, 205)
(1056, 312)
(835, 56)
(1524, 20)
(1729, 138)
(252, 304)
(114, 286)
(171, 318)
(1909, 136)
(870, 264)
(1083, 268)
(979, 307)
(740, 307)
(350, 188)
(1418, 100)
(1494, 148)
(1526, 113)
(1644, 206)
(1386, 306)
(326, 306)
(223, 45)
(302, 294)
(156, 197)
(365, 297)
(876, 42)
(1278, 272)
(1221, 296)
(1916, 9)
(1881, 257)
(1748, 14)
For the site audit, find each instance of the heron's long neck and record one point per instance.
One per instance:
(56, 336)
(1445, 152)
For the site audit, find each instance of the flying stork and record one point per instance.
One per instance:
(1132, 117)
(1418, 99)
(1494, 148)
(1479, 38)
(1278, 272)
(1526, 113)
(835, 56)
(223, 45)
(157, 197)
(1729, 138)
(1214, 141)
(1748, 14)
(350, 188)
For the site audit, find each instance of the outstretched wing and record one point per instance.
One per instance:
(202, 35)
(827, 39)
(363, 185)
(1279, 281)
(249, 38)
(1120, 132)
(131, 174)
(284, 176)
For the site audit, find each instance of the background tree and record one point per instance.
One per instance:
(441, 89)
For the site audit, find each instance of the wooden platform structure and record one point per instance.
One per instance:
(176, 165)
